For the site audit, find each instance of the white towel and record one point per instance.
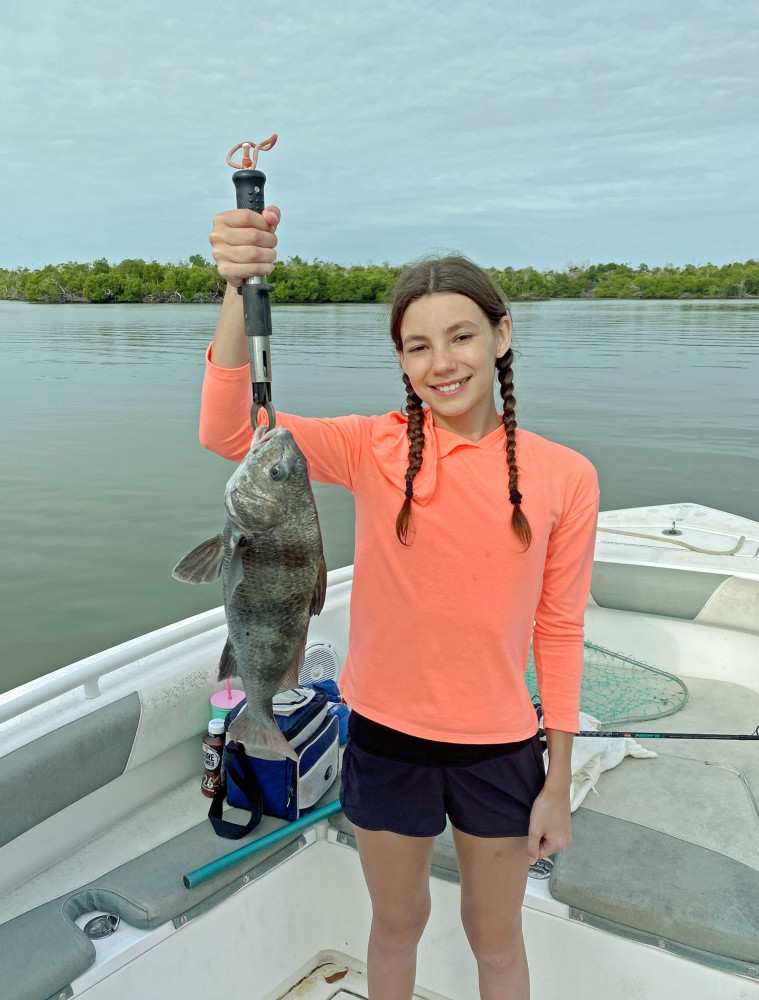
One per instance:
(592, 755)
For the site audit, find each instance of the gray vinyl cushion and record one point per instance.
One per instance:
(145, 892)
(658, 884)
(40, 779)
(41, 953)
(149, 890)
(654, 590)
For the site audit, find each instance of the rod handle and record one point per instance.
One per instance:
(249, 185)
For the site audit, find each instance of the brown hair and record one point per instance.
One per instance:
(455, 274)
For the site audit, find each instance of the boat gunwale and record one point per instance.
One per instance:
(87, 673)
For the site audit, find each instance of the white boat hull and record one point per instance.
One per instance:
(312, 908)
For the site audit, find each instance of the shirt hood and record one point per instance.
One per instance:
(389, 443)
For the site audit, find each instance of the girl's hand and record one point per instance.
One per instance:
(243, 243)
(550, 824)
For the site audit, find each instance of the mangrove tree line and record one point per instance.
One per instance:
(296, 280)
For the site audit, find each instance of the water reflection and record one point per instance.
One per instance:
(106, 484)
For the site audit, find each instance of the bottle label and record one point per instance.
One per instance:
(209, 783)
(211, 759)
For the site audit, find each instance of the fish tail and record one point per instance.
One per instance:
(266, 742)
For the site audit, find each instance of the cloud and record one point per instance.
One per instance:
(616, 126)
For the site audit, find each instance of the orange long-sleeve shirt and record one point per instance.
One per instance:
(440, 630)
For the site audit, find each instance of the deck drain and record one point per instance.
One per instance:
(102, 926)
(541, 869)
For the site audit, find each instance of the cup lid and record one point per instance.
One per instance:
(227, 700)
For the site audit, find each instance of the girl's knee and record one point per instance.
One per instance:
(399, 928)
(498, 948)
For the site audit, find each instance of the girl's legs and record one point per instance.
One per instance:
(493, 878)
(397, 873)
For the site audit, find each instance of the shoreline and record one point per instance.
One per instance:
(683, 297)
(299, 282)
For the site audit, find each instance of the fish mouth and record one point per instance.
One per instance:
(261, 436)
(229, 492)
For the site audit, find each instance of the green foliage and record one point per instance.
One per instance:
(13, 283)
(297, 280)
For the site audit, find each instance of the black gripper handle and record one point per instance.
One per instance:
(249, 185)
(250, 189)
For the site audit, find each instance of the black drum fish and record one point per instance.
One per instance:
(271, 562)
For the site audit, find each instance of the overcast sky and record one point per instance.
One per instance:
(542, 133)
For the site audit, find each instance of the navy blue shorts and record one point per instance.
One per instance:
(491, 798)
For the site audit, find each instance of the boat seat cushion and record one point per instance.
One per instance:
(64, 952)
(66, 764)
(660, 885)
(146, 892)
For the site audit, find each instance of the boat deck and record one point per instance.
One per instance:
(340, 979)
(701, 793)
(658, 793)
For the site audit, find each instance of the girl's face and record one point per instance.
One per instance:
(449, 352)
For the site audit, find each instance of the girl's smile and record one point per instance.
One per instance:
(449, 352)
(450, 388)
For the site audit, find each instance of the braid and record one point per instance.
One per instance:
(415, 433)
(519, 522)
(455, 273)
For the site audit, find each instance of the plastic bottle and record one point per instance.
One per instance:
(213, 752)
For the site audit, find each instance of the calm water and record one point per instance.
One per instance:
(105, 485)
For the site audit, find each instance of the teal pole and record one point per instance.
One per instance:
(283, 833)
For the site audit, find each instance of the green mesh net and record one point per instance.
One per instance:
(618, 689)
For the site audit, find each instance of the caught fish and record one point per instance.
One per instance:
(271, 562)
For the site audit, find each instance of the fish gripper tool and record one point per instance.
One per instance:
(249, 183)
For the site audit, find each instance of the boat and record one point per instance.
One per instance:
(104, 826)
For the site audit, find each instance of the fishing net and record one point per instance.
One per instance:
(618, 689)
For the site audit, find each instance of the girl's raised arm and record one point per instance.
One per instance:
(332, 445)
(243, 246)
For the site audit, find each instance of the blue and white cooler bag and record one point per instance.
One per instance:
(283, 788)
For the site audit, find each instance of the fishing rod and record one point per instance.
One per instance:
(249, 183)
(617, 735)
(674, 736)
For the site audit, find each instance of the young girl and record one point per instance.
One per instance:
(473, 538)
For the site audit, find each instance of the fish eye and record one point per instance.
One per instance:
(275, 472)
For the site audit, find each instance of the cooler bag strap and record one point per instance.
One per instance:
(247, 782)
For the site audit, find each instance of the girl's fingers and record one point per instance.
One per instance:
(236, 274)
(245, 218)
(243, 243)
(242, 236)
(245, 263)
(272, 215)
(241, 217)
(242, 227)
(534, 838)
(243, 255)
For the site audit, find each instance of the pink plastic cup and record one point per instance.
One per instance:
(224, 701)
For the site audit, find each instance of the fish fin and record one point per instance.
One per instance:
(320, 590)
(266, 742)
(233, 575)
(290, 680)
(203, 564)
(228, 664)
